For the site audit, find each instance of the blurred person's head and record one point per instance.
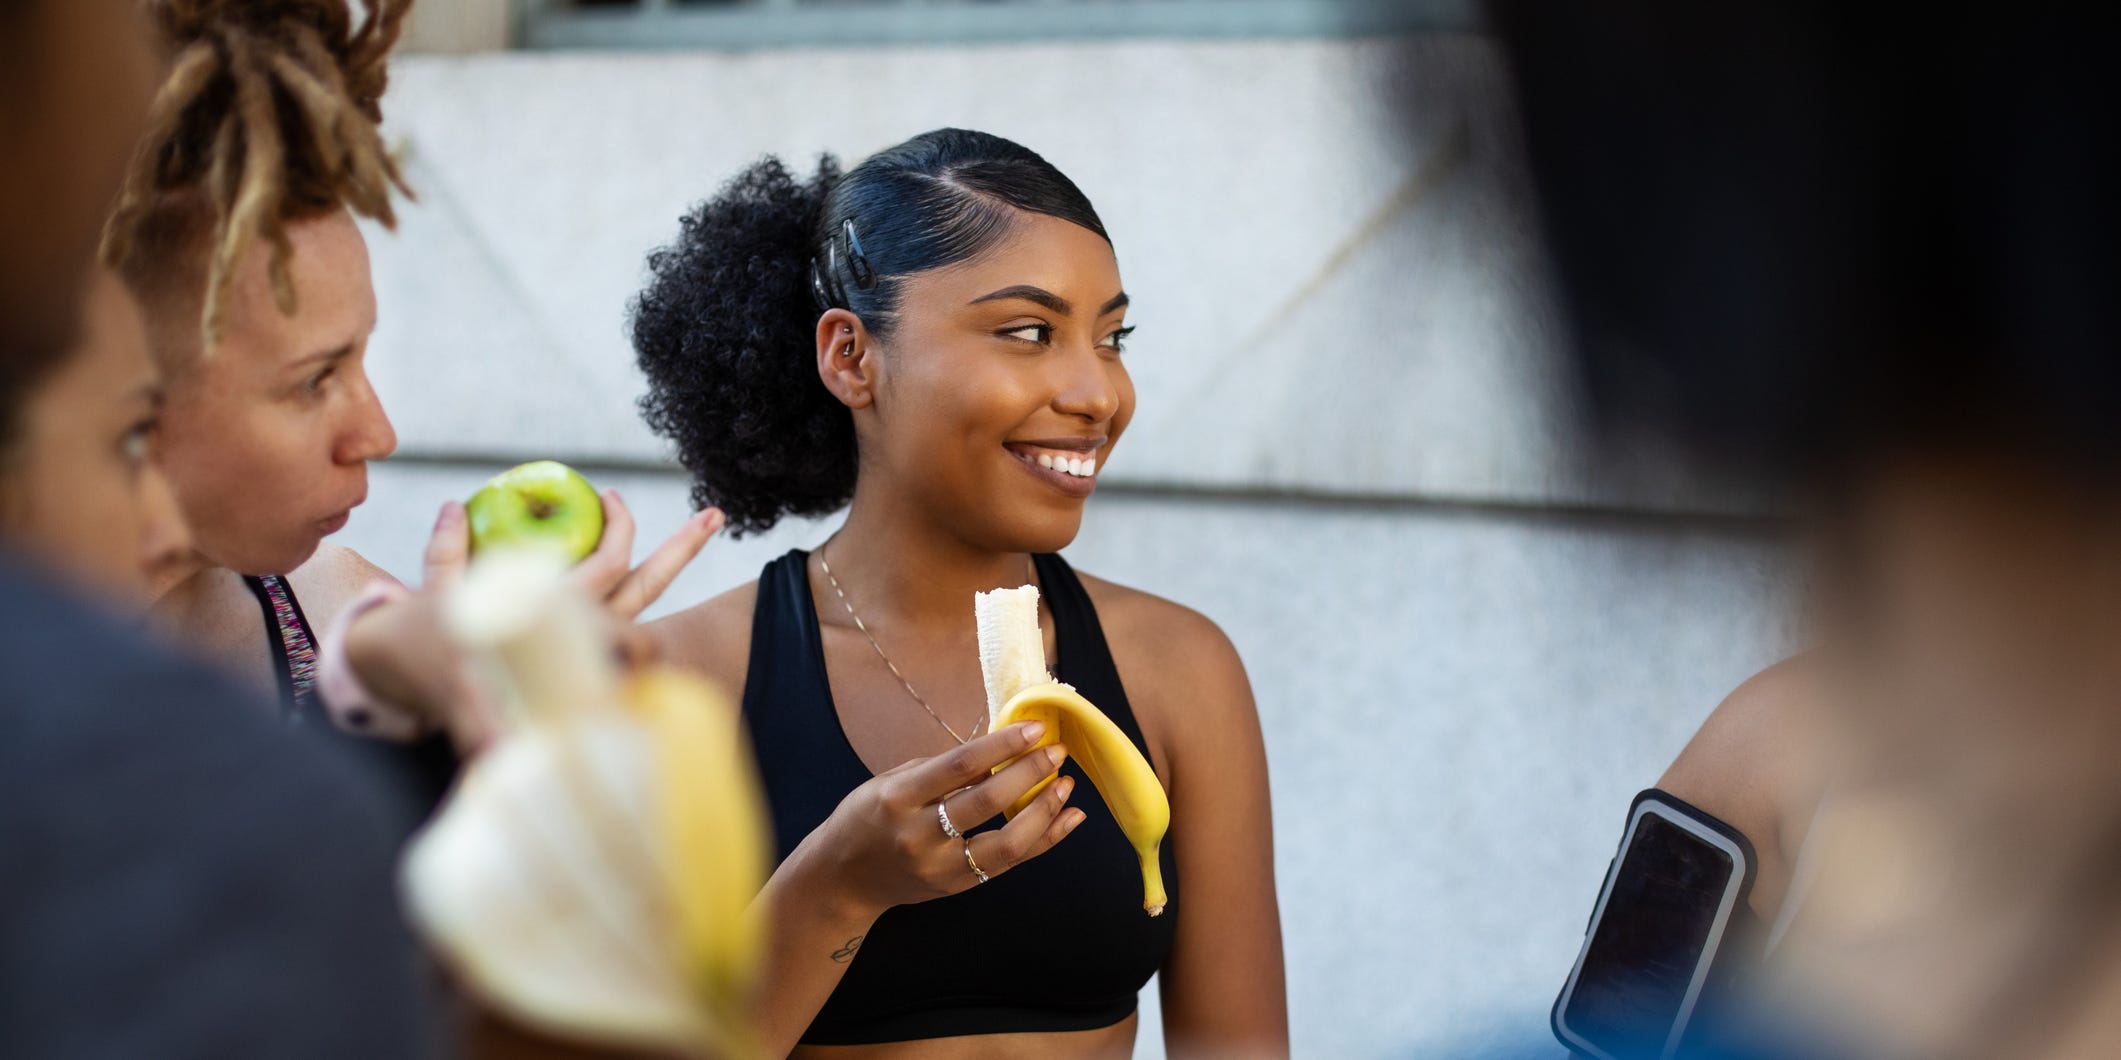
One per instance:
(1873, 254)
(1798, 236)
(75, 80)
(938, 328)
(237, 232)
(79, 486)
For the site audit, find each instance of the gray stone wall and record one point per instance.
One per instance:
(1471, 641)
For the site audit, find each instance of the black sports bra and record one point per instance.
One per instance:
(414, 777)
(1060, 943)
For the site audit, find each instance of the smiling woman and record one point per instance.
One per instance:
(934, 341)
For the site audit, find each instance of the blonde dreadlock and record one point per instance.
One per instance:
(270, 113)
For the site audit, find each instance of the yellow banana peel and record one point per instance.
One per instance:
(591, 874)
(1019, 689)
(714, 837)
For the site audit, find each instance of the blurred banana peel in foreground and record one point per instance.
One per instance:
(590, 875)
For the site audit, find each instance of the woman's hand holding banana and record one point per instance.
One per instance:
(885, 845)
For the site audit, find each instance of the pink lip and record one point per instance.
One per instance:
(1080, 445)
(334, 524)
(1071, 485)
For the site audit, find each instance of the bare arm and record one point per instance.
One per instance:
(1756, 765)
(1223, 987)
(812, 933)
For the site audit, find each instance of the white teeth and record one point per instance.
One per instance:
(1078, 466)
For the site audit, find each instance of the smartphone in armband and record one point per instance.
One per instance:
(1665, 937)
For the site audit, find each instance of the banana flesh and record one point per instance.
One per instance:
(1019, 689)
(1012, 651)
(591, 874)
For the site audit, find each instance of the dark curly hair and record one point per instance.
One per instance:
(725, 331)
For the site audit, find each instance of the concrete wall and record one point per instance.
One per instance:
(458, 26)
(1470, 643)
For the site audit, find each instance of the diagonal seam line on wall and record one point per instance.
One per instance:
(439, 195)
(1433, 169)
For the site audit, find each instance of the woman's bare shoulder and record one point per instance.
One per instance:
(1142, 623)
(330, 580)
(1179, 668)
(712, 637)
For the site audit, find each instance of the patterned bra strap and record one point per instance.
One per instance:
(288, 631)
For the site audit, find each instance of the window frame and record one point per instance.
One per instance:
(673, 24)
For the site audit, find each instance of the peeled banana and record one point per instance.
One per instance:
(591, 874)
(1013, 665)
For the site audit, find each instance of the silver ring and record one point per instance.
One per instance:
(976, 873)
(942, 813)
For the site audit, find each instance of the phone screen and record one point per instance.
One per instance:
(1657, 926)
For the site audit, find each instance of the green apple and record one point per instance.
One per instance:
(542, 504)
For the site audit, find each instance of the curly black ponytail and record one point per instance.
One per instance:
(725, 331)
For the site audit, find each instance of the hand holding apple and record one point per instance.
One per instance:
(550, 504)
(542, 504)
(399, 646)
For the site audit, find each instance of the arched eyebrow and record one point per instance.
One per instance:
(1026, 293)
(1042, 297)
(323, 357)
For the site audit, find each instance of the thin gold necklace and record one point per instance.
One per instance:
(864, 627)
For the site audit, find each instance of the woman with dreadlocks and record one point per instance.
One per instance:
(237, 232)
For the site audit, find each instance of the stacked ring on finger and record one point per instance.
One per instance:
(977, 875)
(942, 813)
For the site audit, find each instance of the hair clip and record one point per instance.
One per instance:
(817, 288)
(825, 281)
(858, 262)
